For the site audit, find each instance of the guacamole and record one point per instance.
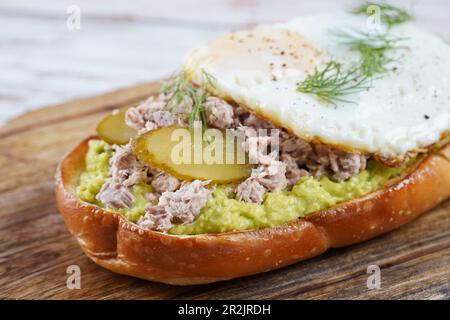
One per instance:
(224, 213)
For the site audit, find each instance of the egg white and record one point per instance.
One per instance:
(406, 109)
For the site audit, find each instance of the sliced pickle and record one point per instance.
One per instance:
(114, 130)
(164, 149)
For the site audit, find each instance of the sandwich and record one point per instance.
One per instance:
(270, 146)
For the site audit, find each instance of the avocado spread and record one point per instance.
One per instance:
(223, 213)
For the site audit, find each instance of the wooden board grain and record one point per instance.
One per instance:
(36, 248)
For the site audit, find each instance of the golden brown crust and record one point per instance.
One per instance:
(120, 246)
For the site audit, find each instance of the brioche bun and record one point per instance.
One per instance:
(121, 246)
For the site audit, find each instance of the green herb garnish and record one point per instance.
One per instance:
(332, 83)
(177, 88)
(182, 93)
(389, 15)
(372, 48)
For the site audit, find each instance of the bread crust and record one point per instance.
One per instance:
(121, 246)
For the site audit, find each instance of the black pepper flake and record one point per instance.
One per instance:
(282, 53)
(284, 65)
(426, 116)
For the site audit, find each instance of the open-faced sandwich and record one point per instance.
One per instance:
(344, 132)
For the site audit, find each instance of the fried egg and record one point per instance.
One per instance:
(406, 108)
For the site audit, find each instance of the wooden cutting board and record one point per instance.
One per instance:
(36, 248)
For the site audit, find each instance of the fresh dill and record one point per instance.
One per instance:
(184, 95)
(389, 14)
(208, 79)
(332, 83)
(372, 48)
(177, 90)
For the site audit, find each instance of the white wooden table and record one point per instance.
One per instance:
(121, 43)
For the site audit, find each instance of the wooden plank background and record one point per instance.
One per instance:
(121, 43)
(36, 248)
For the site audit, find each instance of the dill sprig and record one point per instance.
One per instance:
(177, 88)
(332, 83)
(372, 48)
(389, 14)
(182, 93)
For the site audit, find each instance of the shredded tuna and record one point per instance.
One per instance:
(156, 113)
(177, 207)
(219, 113)
(268, 176)
(337, 164)
(293, 171)
(165, 182)
(160, 119)
(240, 111)
(151, 197)
(297, 148)
(250, 191)
(125, 167)
(271, 175)
(256, 122)
(156, 218)
(257, 148)
(115, 195)
(138, 117)
(125, 171)
(185, 203)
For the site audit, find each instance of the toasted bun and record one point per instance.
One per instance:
(121, 246)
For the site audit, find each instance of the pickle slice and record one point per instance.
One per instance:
(164, 149)
(114, 130)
